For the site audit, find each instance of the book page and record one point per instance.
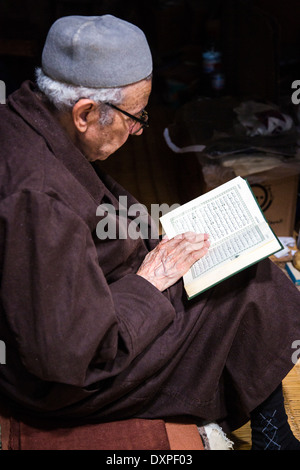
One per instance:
(232, 218)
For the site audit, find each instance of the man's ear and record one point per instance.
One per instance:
(83, 112)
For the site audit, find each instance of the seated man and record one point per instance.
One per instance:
(101, 329)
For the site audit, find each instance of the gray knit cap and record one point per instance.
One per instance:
(96, 51)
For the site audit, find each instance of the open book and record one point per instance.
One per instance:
(239, 233)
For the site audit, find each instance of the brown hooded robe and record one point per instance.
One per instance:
(88, 339)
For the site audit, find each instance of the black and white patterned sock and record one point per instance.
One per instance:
(270, 427)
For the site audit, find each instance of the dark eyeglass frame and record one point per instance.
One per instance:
(143, 122)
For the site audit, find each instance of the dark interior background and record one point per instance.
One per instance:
(259, 41)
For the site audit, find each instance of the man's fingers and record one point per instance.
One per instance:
(192, 236)
(182, 251)
(188, 242)
(197, 254)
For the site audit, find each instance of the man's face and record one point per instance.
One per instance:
(99, 141)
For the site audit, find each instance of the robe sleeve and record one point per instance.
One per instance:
(68, 324)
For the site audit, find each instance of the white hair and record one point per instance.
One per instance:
(63, 96)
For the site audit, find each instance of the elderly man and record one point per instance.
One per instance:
(101, 329)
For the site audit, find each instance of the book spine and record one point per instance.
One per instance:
(295, 280)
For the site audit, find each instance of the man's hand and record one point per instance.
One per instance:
(171, 259)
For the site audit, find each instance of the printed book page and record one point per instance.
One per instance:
(237, 227)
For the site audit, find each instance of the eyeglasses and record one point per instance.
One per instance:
(143, 119)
